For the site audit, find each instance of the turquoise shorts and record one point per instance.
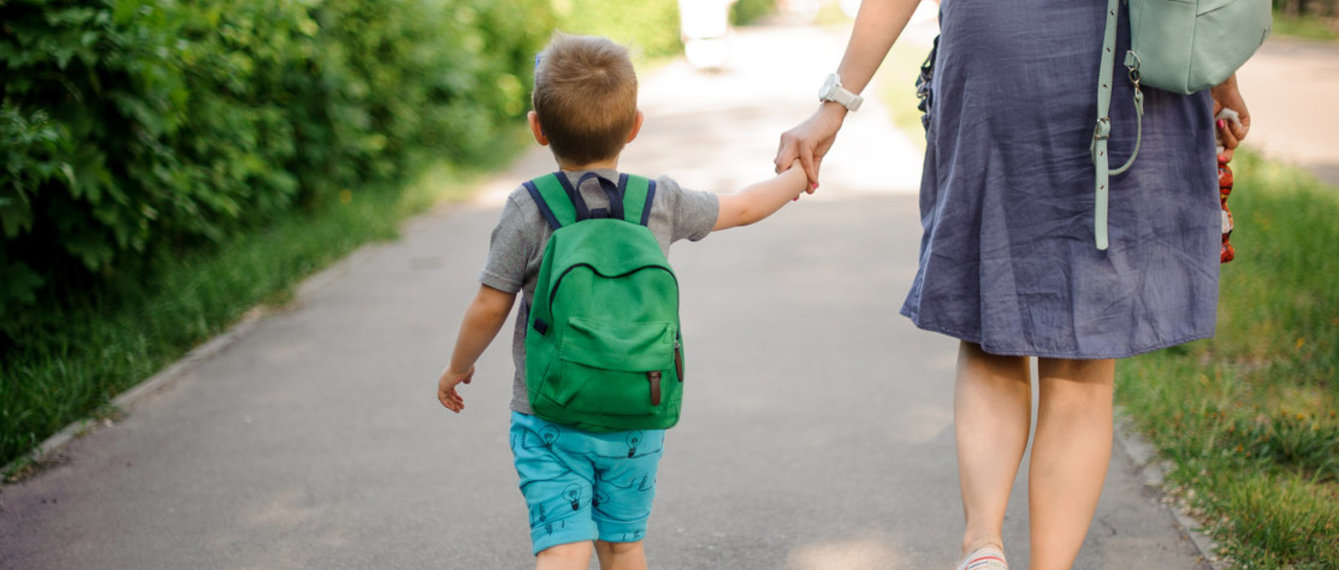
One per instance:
(583, 486)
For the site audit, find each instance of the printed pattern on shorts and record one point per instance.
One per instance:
(582, 486)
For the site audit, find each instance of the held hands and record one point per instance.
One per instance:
(446, 388)
(1227, 96)
(809, 141)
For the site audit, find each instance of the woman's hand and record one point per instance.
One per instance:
(809, 141)
(1227, 96)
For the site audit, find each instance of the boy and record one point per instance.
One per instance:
(581, 486)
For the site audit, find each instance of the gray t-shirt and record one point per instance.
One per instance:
(520, 236)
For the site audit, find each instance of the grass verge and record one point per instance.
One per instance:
(1248, 418)
(89, 350)
(1306, 27)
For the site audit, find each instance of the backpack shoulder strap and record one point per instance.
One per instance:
(1102, 131)
(558, 202)
(638, 194)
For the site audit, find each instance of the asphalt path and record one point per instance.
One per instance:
(1290, 86)
(817, 431)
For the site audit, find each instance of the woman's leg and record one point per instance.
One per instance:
(992, 411)
(1070, 453)
(621, 555)
(570, 556)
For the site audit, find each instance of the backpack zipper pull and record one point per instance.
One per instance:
(654, 378)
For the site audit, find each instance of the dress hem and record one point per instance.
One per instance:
(1004, 351)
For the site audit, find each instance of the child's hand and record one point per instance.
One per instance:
(809, 141)
(446, 388)
(794, 168)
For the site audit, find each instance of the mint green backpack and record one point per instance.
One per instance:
(603, 351)
(1181, 46)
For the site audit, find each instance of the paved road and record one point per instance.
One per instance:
(1290, 86)
(817, 433)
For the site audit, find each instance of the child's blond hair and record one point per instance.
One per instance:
(585, 97)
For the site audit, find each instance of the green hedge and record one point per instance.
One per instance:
(134, 130)
(746, 12)
(168, 163)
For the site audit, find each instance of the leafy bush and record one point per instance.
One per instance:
(745, 12)
(135, 130)
(143, 140)
(168, 163)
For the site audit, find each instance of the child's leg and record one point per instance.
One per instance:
(625, 487)
(556, 483)
(621, 555)
(570, 556)
(992, 412)
(1070, 454)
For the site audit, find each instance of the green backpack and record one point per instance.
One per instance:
(603, 351)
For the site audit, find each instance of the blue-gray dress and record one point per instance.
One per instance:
(1008, 259)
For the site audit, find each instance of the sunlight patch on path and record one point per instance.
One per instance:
(856, 554)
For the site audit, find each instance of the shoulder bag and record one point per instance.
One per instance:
(1181, 46)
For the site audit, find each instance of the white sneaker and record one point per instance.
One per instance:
(984, 558)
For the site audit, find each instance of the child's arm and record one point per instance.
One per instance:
(483, 319)
(760, 200)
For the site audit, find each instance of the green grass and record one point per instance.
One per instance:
(1305, 27)
(85, 351)
(1249, 417)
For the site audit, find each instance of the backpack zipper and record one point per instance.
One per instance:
(553, 293)
(678, 357)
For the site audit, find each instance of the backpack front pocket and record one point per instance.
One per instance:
(614, 368)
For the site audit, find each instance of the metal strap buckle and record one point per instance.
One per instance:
(1102, 130)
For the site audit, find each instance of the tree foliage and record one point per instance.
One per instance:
(1323, 8)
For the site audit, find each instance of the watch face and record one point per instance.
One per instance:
(829, 85)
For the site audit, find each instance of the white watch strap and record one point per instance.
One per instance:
(840, 95)
(847, 99)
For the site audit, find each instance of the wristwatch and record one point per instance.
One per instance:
(832, 91)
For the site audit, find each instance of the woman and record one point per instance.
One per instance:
(1008, 262)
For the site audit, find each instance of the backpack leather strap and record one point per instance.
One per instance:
(1102, 130)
